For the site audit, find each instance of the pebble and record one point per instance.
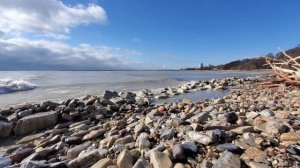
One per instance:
(160, 160)
(227, 160)
(124, 159)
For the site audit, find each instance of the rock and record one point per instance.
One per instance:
(189, 148)
(73, 140)
(108, 94)
(124, 159)
(187, 101)
(243, 129)
(290, 136)
(35, 164)
(158, 148)
(94, 134)
(200, 118)
(251, 115)
(254, 154)
(219, 135)
(295, 150)
(208, 109)
(139, 129)
(142, 163)
(273, 128)
(125, 140)
(199, 137)
(161, 109)
(227, 160)
(160, 160)
(179, 165)
(18, 155)
(103, 163)
(74, 152)
(86, 159)
(267, 113)
(229, 147)
(35, 121)
(258, 165)
(230, 117)
(30, 138)
(5, 129)
(25, 113)
(167, 134)
(5, 162)
(178, 152)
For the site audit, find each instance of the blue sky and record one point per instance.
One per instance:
(144, 34)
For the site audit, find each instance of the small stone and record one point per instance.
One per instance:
(74, 152)
(227, 160)
(124, 159)
(290, 136)
(160, 160)
(73, 140)
(243, 129)
(229, 147)
(5, 129)
(179, 165)
(254, 154)
(85, 159)
(103, 163)
(200, 118)
(161, 109)
(267, 113)
(199, 137)
(125, 140)
(178, 152)
(94, 134)
(139, 129)
(18, 155)
(167, 134)
(189, 147)
(142, 163)
(230, 117)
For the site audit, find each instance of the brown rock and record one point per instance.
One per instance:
(94, 134)
(290, 136)
(125, 159)
(103, 163)
(161, 108)
(254, 154)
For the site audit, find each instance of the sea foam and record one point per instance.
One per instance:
(10, 85)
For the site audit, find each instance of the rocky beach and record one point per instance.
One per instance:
(253, 126)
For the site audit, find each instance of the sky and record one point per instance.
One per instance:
(142, 34)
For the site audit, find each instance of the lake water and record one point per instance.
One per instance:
(17, 87)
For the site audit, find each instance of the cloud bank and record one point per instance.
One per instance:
(24, 54)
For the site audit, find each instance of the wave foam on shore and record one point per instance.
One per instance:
(10, 85)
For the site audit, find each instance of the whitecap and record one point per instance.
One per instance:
(10, 85)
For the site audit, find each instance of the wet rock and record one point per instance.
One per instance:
(160, 160)
(142, 163)
(124, 159)
(227, 160)
(109, 94)
(199, 137)
(103, 163)
(290, 136)
(35, 121)
(94, 134)
(5, 128)
(86, 159)
(178, 152)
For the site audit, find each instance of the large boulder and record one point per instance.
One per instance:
(35, 121)
(5, 128)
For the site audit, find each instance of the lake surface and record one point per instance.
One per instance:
(17, 87)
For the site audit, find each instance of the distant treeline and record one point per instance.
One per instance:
(249, 63)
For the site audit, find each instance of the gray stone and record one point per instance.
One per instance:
(167, 134)
(267, 113)
(160, 160)
(4, 162)
(94, 134)
(199, 137)
(108, 94)
(142, 163)
(86, 159)
(18, 155)
(125, 140)
(35, 121)
(178, 152)
(74, 152)
(228, 160)
(228, 147)
(5, 128)
(200, 118)
(73, 140)
(124, 159)
(189, 147)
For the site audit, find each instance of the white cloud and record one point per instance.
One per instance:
(48, 17)
(136, 40)
(24, 54)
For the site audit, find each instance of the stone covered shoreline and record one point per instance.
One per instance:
(252, 127)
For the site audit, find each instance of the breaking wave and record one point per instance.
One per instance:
(9, 86)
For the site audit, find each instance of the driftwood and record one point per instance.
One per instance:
(288, 68)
